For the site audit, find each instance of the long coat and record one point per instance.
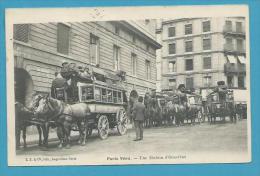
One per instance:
(138, 111)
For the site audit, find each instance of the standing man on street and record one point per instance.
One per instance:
(138, 117)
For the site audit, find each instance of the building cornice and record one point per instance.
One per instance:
(139, 33)
(191, 36)
(190, 73)
(192, 54)
(178, 20)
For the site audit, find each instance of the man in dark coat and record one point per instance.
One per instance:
(65, 70)
(181, 91)
(58, 82)
(222, 90)
(138, 116)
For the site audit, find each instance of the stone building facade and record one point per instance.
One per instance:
(40, 49)
(198, 52)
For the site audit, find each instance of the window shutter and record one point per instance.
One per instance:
(21, 32)
(63, 37)
(189, 83)
(207, 62)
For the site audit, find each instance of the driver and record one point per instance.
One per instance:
(222, 91)
(181, 92)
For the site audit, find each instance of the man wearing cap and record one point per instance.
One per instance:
(222, 91)
(182, 93)
(59, 83)
(65, 70)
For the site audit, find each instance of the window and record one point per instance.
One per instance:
(229, 44)
(117, 30)
(189, 83)
(87, 93)
(104, 95)
(206, 26)
(109, 96)
(115, 94)
(94, 49)
(116, 56)
(241, 82)
(172, 66)
(229, 41)
(228, 25)
(63, 38)
(206, 44)
(188, 46)
(97, 93)
(120, 100)
(147, 47)
(172, 83)
(21, 32)
(239, 27)
(230, 80)
(171, 32)
(189, 64)
(239, 45)
(148, 70)
(133, 39)
(134, 64)
(188, 29)
(206, 62)
(207, 81)
(172, 48)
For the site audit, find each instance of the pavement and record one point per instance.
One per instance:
(221, 137)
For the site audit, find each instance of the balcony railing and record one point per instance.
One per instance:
(228, 47)
(230, 30)
(231, 49)
(234, 68)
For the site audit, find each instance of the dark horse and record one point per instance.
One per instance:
(64, 116)
(23, 119)
(153, 114)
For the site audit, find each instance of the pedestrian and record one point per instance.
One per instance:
(138, 117)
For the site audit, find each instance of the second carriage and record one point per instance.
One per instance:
(221, 105)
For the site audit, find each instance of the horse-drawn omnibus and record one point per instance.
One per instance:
(106, 100)
(221, 106)
(107, 105)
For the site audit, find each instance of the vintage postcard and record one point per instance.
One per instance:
(128, 85)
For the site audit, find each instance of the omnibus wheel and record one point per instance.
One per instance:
(122, 122)
(103, 127)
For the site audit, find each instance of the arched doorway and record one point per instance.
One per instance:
(23, 86)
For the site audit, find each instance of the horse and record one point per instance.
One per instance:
(192, 113)
(23, 115)
(64, 116)
(168, 112)
(153, 114)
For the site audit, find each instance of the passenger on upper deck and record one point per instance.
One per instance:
(85, 75)
(181, 92)
(222, 91)
(58, 83)
(65, 70)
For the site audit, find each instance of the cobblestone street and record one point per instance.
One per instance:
(226, 138)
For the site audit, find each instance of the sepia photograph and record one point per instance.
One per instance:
(125, 85)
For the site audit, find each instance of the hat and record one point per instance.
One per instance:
(221, 83)
(181, 86)
(64, 63)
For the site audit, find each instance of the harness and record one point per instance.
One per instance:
(61, 111)
(52, 109)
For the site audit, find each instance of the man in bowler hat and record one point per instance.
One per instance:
(138, 117)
